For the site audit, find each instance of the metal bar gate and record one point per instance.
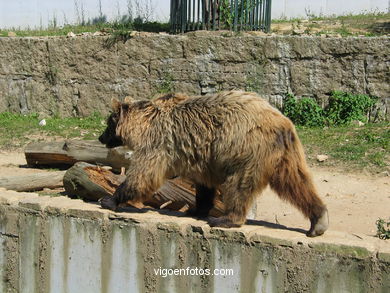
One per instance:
(236, 15)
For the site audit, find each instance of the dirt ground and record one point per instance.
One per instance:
(355, 201)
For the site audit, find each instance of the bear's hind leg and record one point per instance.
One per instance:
(237, 198)
(204, 201)
(296, 186)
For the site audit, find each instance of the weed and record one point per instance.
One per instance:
(255, 77)
(52, 74)
(345, 107)
(383, 229)
(117, 36)
(166, 84)
(226, 14)
(304, 111)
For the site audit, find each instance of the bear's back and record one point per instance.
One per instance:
(233, 109)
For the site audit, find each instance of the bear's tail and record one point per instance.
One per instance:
(292, 181)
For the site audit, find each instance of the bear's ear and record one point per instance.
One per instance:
(124, 108)
(129, 99)
(115, 105)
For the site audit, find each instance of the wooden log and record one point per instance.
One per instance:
(33, 182)
(178, 192)
(67, 153)
(92, 183)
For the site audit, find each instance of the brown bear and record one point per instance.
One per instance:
(234, 142)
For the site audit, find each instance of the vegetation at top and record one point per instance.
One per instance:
(139, 17)
(366, 24)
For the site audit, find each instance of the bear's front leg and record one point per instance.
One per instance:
(142, 180)
(109, 203)
(112, 202)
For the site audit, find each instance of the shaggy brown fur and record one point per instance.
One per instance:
(234, 142)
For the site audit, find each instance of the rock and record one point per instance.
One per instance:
(322, 158)
(358, 123)
(11, 34)
(298, 32)
(71, 35)
(258, 33)
(42, 122)
(98, 33)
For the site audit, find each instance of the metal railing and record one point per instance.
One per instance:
(236, 15)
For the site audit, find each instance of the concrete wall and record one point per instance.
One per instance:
(77, 76)
(63, 245)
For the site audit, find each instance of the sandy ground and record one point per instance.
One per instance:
(355, 201)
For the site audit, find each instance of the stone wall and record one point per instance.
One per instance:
(77, 76)
(55, 244)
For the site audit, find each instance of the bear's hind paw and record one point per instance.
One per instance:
(222, 222)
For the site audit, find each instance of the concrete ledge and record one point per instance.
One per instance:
(55, 244)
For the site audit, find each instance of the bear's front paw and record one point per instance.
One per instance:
(196, 213)
(108, 202)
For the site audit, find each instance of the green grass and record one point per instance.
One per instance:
(59, 31)
(349, 147)
(358, 18)
(87, 28)
(18, 130)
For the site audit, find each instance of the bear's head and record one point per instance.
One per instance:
(126, 123)
(109, 137)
